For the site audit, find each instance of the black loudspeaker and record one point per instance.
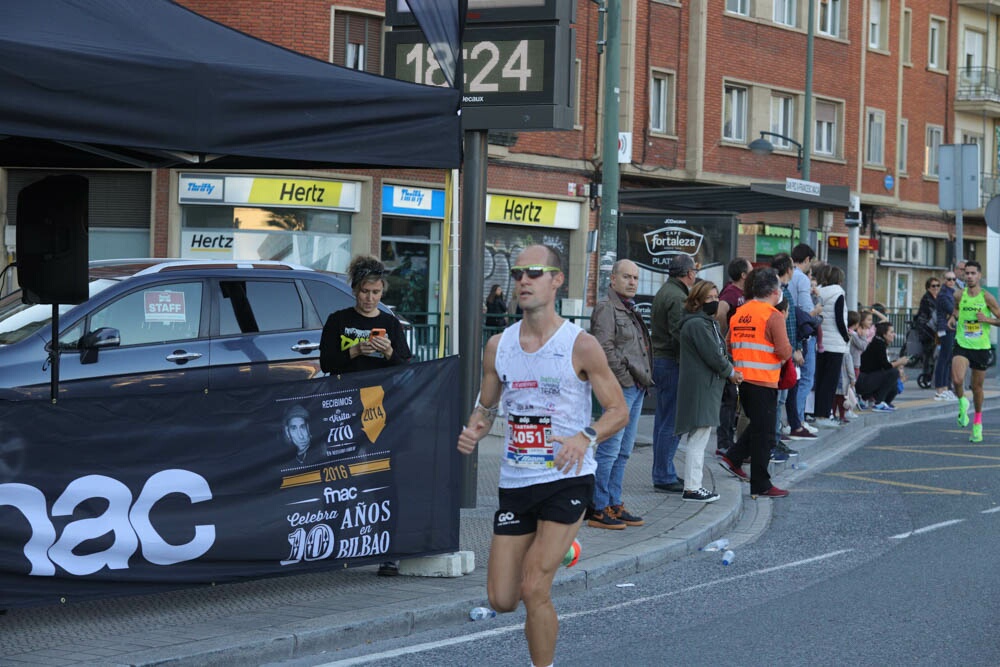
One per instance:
(52, 245)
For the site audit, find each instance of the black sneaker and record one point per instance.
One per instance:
(778, 456)
(388, 569)
(606, 519)
(619, 512)
(785, 449)
(672, 487)
(700, 496)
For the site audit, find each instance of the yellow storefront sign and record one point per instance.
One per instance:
(522, 210)
(295, 192)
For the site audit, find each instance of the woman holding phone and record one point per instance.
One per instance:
(363, 337)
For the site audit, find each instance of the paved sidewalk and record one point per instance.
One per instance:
(281, 618)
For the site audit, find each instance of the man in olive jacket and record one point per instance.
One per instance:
(623, 335)
(668, 311)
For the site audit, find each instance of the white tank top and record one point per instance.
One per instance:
(542, 397)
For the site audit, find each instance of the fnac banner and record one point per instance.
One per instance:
(102, 497)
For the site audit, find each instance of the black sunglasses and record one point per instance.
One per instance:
(517, 272)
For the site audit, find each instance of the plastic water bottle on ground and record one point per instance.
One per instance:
(717, 545)
(573, 555)
(481, 613)
(728, 557)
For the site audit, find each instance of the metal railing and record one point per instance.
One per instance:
(978, 84)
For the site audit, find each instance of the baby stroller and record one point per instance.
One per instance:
(921, 346)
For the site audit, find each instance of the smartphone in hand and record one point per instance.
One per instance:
(377, 333)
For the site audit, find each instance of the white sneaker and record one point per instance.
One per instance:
(809, 427)
(786, 429)
(950, 395)
(850, 414)
(828, 423)
(943, 396)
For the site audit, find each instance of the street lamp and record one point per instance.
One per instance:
(762, 146)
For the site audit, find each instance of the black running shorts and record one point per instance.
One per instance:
(562, 501)
(979, 360)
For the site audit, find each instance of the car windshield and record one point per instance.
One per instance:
(20, 320)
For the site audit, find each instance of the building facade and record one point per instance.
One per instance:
(699, 81)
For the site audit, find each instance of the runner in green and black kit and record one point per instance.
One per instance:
(972, 345)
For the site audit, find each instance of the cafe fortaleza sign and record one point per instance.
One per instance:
(651, 240)
(667, 241)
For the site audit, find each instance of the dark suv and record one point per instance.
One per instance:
(159, 325)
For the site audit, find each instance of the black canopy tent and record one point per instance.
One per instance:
(148, 83)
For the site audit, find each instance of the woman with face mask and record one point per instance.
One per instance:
(704, 370)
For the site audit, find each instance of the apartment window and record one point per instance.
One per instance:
(937, 44)
(735, 114)
(661, 103)
(741, 7)
(784, 12)
(875, 146)
(828, 17)
(782, 119)
(907, 31)
(356, 41)
(877, 23)
(901, 140)
(825, 139)
(932, 145)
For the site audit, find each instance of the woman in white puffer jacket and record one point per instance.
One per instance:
(835, 342)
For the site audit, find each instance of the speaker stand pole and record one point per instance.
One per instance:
(54, 355)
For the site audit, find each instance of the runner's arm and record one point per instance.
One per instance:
(485, 410)
(994, 307)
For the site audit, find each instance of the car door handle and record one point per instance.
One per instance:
(305, 347)
(182, 357)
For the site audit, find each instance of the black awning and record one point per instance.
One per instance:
(754, 198)
(96, 83)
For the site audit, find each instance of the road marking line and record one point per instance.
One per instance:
(991, 510)
(934, 489)
(910, 450)
(891, 471)
(926, 529)
(476, 636)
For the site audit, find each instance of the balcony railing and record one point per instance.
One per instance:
(978, 83)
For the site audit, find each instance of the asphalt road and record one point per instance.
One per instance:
(886, 557)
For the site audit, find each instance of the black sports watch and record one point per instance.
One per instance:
(592, 434)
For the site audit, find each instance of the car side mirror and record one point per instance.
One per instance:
(95, 340)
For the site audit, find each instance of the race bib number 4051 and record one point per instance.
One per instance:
(529, 441)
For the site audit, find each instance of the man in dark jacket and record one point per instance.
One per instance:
(625, 340)
(668, 311)
(944, 307)
(730, 298)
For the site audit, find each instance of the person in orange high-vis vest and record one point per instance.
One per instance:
(759, 345)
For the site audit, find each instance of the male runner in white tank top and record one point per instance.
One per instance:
(544, 367)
